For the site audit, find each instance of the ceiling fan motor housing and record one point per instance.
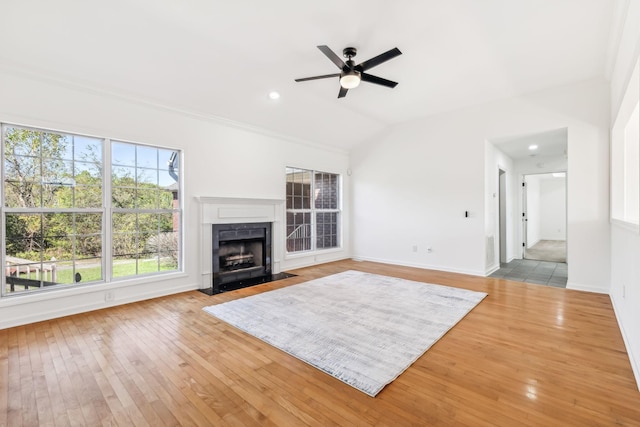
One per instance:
(349, 52)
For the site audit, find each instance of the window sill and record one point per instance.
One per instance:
(297, 255)
(630, 226)
(49, 294)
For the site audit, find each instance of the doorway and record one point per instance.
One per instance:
(544, 231)
(502, 215)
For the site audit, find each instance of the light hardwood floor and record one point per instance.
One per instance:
(526, 355)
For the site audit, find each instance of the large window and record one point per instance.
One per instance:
(58, 221)
(313, 210)
(146, 215)
(625, 157)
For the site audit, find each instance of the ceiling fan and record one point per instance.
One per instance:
(351, 74)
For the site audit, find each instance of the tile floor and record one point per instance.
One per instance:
(538, 272)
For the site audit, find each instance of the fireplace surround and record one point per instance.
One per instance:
(229, 213)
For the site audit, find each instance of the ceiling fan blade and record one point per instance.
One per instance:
(326, 76)
(332, 56)
(343, 92)
(377, 60)
(377, 80)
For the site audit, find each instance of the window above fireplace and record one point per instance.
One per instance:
(313, 210)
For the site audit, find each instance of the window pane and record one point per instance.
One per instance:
(87, 149)
(87, 172)
(56, 171)
(88, 247)
(125, 245)
(147, 199)
(147, 157)
(168, 199)
(147, 177)
(125, 222)
(123, 154)
(326, 186)
(298, 232)
(123, 197)
(87, 196)
(123, 175)
(165, 180)
(18, 141)
(124, 266)
(165, 158)
(86, 224)
(326, 230)
(88, 270)
(148, 223)
(56, 146)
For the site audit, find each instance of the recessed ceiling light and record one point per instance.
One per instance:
(274, 95)
(533, 147)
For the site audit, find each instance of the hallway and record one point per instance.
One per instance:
(536, 272)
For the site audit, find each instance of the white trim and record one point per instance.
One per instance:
(492, 270)
(635, 363)
(48, 77)
(232, 210)
(586, 288)
(625, 225)
(97, 304)
(422, 266)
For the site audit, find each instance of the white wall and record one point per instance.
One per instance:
(496, 160)
(533, 210)
(219, 160)
(553, 199)
(625, 243)
(412, 185)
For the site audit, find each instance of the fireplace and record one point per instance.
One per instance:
(241, 255)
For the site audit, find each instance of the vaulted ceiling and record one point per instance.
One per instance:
(221, 58)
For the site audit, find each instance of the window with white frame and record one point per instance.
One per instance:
(625, 156)
(56, 214)
(145, 209)
(313, 210)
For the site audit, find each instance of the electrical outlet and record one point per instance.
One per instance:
(429, 250)
(108, 296)
(415, 248)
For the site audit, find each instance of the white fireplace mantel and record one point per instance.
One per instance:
(230, 210)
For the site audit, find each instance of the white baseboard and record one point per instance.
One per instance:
(66, 309)
(587, 288)
(633, 358)
(492, 270)
(423, 266)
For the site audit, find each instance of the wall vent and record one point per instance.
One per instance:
(490, 251)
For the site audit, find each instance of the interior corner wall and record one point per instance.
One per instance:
(625, 243)
(219, 160)
(412, 185)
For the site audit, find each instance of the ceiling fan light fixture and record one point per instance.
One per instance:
(350, 80)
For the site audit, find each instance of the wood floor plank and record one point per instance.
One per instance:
(526, 355)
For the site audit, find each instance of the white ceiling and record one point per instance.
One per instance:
(549, 144)
(220, 58)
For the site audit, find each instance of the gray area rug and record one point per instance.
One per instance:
(364, 329)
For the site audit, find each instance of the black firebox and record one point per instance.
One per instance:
(241, 255)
